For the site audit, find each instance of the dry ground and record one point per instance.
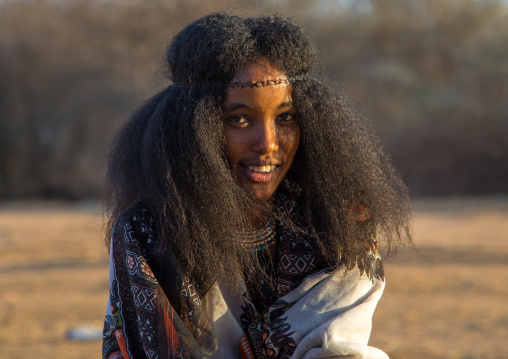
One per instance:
(450, 300)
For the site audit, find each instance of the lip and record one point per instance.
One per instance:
(259, 163)
(257, 177)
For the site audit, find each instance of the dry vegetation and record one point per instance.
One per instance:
(430, 76)
(448, 301)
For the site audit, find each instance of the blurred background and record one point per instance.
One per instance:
(430, 76)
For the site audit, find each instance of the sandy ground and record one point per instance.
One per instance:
(448, 300)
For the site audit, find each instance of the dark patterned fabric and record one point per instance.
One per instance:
(148, 318)
(268, 334)
(298, 253)
(156, 311)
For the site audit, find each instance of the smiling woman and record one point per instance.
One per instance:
(260, 129)
(244, 202)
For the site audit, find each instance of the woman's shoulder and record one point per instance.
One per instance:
(136, 224)
(137, 211)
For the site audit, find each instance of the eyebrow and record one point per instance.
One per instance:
(236, 106)
(285, 104)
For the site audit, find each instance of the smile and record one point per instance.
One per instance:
(259, 174)
(262, 169)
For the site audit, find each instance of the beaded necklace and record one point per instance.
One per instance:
(260, 239)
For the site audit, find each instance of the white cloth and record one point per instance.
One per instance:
(329, 314)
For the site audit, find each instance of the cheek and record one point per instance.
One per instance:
(290, 140)
(234, 147)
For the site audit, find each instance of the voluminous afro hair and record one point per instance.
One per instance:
(171, 154)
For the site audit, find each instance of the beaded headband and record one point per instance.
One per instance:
(243, 84)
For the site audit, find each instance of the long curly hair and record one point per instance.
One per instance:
(170, 154)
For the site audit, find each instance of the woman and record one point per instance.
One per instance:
(243, 204)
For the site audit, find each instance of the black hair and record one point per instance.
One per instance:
(171, 154)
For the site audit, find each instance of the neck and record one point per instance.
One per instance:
(260, 213)
(259, 218)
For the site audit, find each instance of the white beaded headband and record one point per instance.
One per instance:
(244, 84)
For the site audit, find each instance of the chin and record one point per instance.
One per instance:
(262, 195)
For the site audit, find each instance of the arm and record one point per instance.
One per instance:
(335, 318)
(327, 316)
(340, 308)
(141, 322)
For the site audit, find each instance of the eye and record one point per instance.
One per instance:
(286, 117)
(238, 120)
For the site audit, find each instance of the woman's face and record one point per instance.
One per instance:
(261, 130)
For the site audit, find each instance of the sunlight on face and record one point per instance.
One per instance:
(261, 130)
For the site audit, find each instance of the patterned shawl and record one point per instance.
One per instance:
(316, 310)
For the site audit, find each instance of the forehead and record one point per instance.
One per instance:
(265, 96)
(259, 70)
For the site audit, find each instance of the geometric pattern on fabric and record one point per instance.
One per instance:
(299, 257)
(147, 331)
(191, 312)
(137, 265)
(144, 297)
(129, 236)
(152, 355)
(143, 322)
(297, 263)
(189, 292)
(245, 349)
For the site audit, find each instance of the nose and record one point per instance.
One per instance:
(266, 139)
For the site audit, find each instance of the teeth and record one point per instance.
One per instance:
(269, 168)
